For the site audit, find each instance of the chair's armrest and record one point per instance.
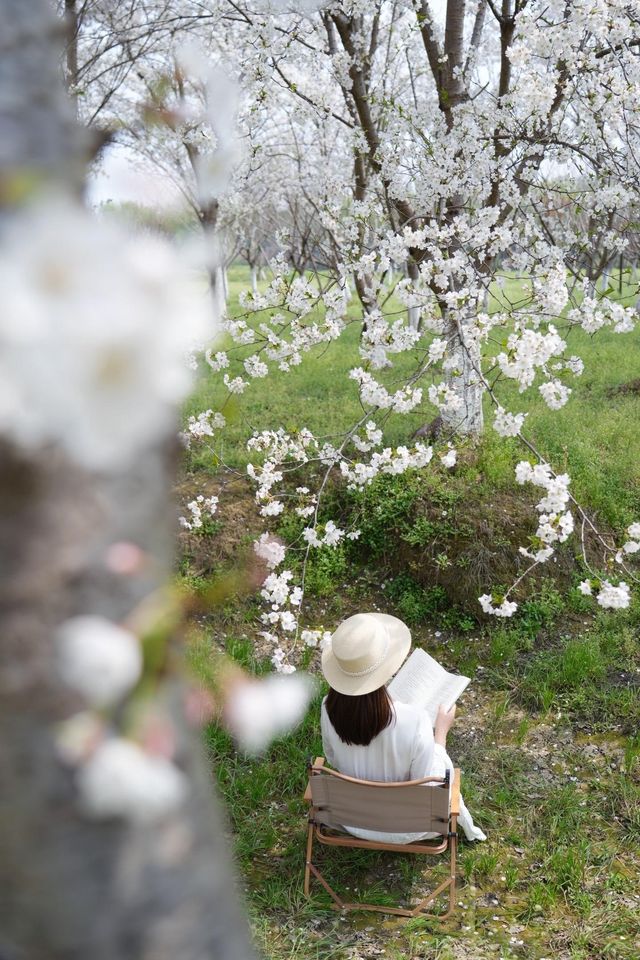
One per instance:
(455, 793)
(318, 762)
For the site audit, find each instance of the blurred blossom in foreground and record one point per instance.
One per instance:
(258, 711)
(212, 123)
(94, 328)
(98, 659)
(77, 737)
(121, 780)
(124, 558)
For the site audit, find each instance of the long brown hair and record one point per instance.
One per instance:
(357, 720)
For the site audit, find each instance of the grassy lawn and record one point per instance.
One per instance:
(547, 734)
(595, 434)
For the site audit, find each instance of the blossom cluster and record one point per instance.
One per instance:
(285, 336)
(280, 595)
(607, 594)
(260, 711)
(555, 523)
(94, 328)
(313, 638)
(389, 461)
(497, 606)
(508, 424)
(102, 663)
(445, 397)
(632, 545)
(374, 394)
(594, 313)
(198, 509)
(331, 536)
(381, 338)
(528, 350)
(270, 549)
(372, 438)
(203, 425)
(279, 448)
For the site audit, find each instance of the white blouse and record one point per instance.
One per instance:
(405, 750)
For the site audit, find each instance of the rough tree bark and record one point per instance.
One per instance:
(465, 375)
(73, 888)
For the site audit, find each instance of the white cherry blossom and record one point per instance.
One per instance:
(198, 508)
(269, 549)
(259, 711)
(120, 780)
(613, 597)
(94, 328)
(98, 659)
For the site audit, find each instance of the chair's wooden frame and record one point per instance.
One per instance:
(343, 839)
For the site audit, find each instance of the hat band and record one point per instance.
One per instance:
(374, 666)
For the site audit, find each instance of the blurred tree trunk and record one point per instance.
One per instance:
(71, 52)
(73, 888)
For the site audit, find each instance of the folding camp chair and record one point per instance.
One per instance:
(407, 807)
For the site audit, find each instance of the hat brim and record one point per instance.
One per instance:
(399, 646)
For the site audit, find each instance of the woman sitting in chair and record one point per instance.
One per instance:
(368, 736)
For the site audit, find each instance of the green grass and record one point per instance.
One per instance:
(547, 736)
(594, 436)
(560, 862)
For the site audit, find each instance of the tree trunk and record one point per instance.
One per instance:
(413, 313)
(254, 279)
(620, 273)
(218, 290)
(413, 316)
(464, 378)
(71, 53)
(208, 215)
(74, 888)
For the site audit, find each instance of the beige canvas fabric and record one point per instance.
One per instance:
(398, 807)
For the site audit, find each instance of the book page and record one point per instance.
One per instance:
(424, 682)
(417, 679)
(447, 693)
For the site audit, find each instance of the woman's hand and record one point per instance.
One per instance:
(444, 722)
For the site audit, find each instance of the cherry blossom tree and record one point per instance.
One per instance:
(456, 132)
(465, 125)
(454, 128)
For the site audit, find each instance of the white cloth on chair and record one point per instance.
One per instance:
(405, 750)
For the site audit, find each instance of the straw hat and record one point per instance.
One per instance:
(365, 652)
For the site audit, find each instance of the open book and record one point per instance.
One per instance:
(427, 684)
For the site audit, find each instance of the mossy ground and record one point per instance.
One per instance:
(547, 734)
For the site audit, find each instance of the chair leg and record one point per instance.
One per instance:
(338, 904)
(307, 864)
(418, 911)
(452, 892)
(450, 882)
